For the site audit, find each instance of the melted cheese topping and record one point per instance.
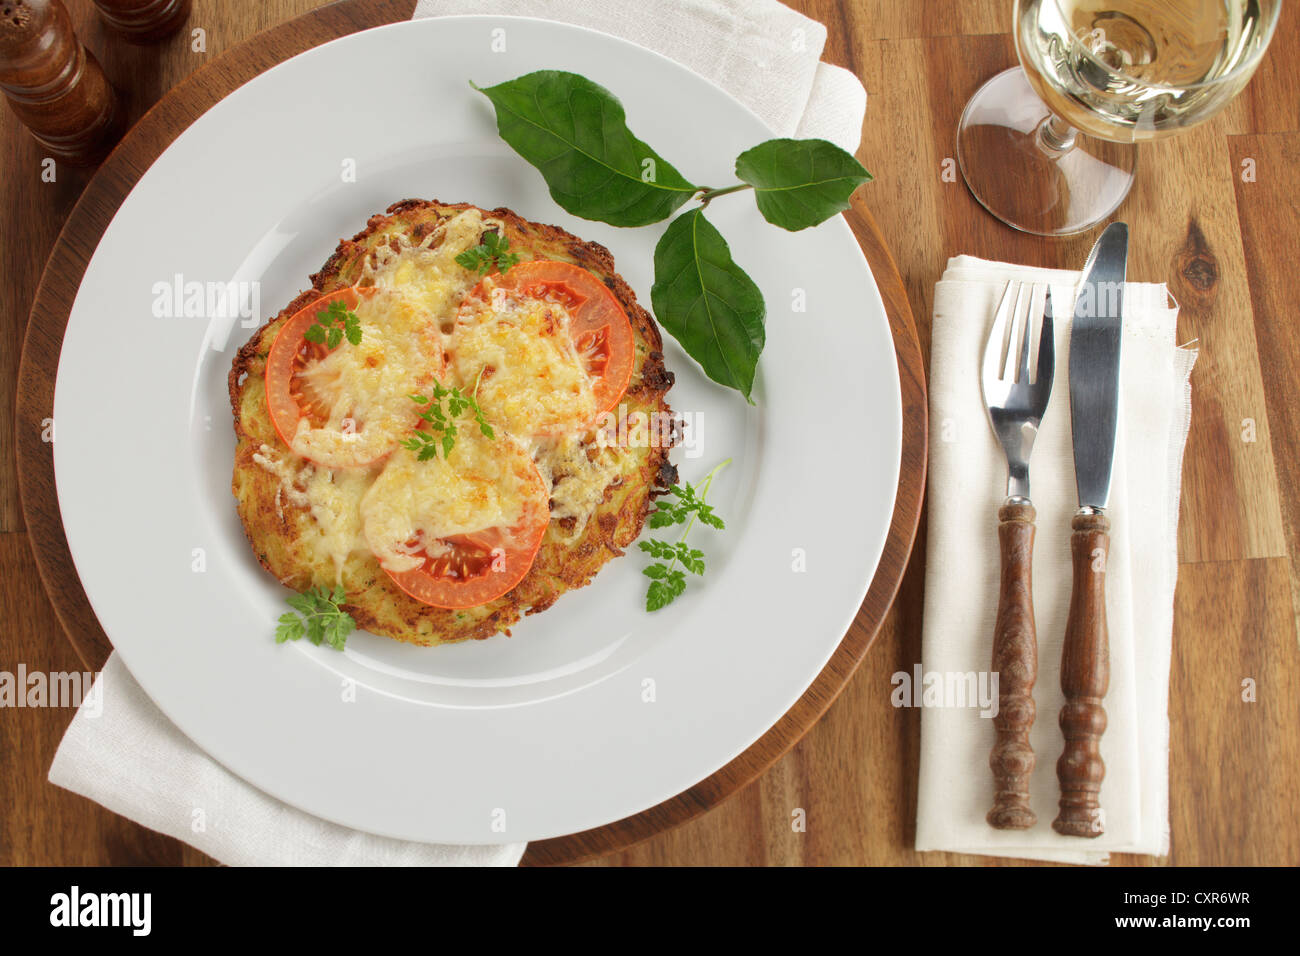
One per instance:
(414, 503)
(577, 482)
(362, 389)
(428, 272)
(532, 378)
(332, 499)
(335, 497)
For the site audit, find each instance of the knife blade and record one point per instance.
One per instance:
(1094, 364)
(1094, 416)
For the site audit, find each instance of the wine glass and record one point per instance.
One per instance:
(1050, 148)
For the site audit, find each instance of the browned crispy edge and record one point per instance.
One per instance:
(655, 380)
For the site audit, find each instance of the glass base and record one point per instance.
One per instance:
(1021, 179)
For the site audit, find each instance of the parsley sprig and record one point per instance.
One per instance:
(317, 616)
(489, 253)
(332, 324)
(442, 432)
(667, 580)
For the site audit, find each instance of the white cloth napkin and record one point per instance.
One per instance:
(760, 51)
(122, 752)
(967, 483)
(132, 760)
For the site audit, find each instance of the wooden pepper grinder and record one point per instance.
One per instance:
(144, 21)
(53, 83)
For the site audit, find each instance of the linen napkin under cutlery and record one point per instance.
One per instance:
(967, 481)
(131, 759)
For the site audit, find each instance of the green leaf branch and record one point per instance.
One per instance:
(575, 133)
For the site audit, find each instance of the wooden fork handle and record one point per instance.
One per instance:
(1015, 661)
(1085, 674)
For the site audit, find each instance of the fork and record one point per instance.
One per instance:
(1015, 407)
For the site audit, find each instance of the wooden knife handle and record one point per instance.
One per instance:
(1015, 661)
(1085, 674)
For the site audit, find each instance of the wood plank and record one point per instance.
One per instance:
(891, 20)
(1191, 239)
(42, 824)
(1270, 228)
(1232, 774)
(1235, 770)
(53, 301)
(1271, 103)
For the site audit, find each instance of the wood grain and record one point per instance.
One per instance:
(1015, 661)
(144, 21)
(1085, 675)
(53, 84)
(49, 316)
(1235, 765)
(1266, 168)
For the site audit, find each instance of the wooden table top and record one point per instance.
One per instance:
(1217, 222)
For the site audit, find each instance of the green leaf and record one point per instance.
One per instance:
(707, 302)
(319, 617)
(662, 517)
(692, 559)
(337, 630)
(289, 629)
(575, 132)
(315, 333)
(657, 549)
(709, 518)
(800, 182)
(664, 591)
(472, 259)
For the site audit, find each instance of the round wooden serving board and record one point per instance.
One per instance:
(49, 316)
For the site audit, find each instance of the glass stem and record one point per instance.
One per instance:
(1056, 137)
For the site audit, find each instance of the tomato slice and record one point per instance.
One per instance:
(466, 568)
(308, 420)
(600, 331)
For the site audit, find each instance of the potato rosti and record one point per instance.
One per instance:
(304, 518)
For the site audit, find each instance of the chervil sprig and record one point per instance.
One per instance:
(441, 421)
(333, 324)
(489, 253)
(318, 616)
(687, 504)
(667, 580)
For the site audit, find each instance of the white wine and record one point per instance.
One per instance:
(1131, 70)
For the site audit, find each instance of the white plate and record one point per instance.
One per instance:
(594, 710)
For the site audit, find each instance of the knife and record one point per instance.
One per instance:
(1094, 413)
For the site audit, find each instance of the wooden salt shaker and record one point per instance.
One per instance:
(53, 83)
(144, 21)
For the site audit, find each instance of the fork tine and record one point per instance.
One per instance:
(1016, 328)
(1027, 338)
(995, 348)
(1046, 344)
